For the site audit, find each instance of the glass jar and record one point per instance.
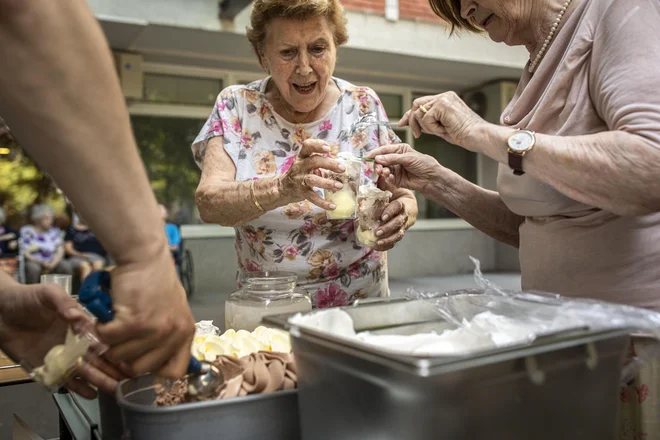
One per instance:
(264, 294)
(371, 203)
(345, 198)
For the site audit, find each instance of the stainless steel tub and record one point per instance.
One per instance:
(272, 416)
(563, 386)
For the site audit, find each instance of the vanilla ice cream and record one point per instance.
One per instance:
(207, 347)
(485, 331)
(62, 360)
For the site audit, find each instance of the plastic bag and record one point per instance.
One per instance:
(540, 314)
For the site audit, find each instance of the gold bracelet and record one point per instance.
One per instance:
(254, 198)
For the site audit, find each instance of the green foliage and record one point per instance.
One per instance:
(22, 184)
(164, 145)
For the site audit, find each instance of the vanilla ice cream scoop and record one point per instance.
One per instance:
(61, 361)
(240, 344)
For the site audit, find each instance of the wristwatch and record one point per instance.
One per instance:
(520, 143)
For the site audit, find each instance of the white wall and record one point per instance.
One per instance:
(367, 31)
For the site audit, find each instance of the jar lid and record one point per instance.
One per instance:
(268, 277)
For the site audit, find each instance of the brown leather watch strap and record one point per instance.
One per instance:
(515, 163)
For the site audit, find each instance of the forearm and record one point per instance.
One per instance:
(79, 132)
(59, 254)
(482, 208)
(229, 203)
(71, 251)
(614, 171)
(30, 258)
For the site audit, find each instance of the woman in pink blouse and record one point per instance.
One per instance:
(579, 154)
(264, 144)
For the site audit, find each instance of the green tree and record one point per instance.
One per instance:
(164, 145)
(22, 183)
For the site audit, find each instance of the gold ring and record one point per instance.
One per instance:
(423, 109)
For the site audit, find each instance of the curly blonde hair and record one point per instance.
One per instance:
(264, 11)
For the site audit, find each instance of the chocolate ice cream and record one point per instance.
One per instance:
(262, 372)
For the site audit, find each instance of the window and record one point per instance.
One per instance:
(164, 145)
(393, 104)
(392, 10)
(170, 89)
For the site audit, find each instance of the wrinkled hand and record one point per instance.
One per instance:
(404, 167)
(305, 174)
(34, 318)
(153, 326)
(394, 221)
(448, 117)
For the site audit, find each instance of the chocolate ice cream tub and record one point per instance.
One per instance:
(266, 416)
(562, 385)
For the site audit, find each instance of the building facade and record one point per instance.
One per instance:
(175, 56)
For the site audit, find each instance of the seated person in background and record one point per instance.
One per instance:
(172, 232)
(8, 246)
(85, 252)
(8, 238)
(42, 246)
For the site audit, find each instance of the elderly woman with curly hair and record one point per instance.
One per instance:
(579, 155)
(42, 246)
(265, 146)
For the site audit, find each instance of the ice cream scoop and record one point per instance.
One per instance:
(204, 378)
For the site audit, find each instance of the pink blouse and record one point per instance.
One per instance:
(602, 73)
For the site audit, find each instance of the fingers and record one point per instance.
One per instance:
(178, 364)
(320, 201)
(392, 209)
(313, 181)
(312, 146)
(389, 149)
(395, 225)
(403, 122)
(322, 162)
(107, 368)
(55, 298)
(387, 243)
(416, 113)
(119, 331)
(388, 160)
(98, 378)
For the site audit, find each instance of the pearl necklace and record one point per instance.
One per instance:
(539, 56)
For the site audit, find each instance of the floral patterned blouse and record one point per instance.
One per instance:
(40, 245)
(331, 264)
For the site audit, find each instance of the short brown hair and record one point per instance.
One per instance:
(264, 11)
(450, 11)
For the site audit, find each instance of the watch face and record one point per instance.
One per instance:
(521, 141)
